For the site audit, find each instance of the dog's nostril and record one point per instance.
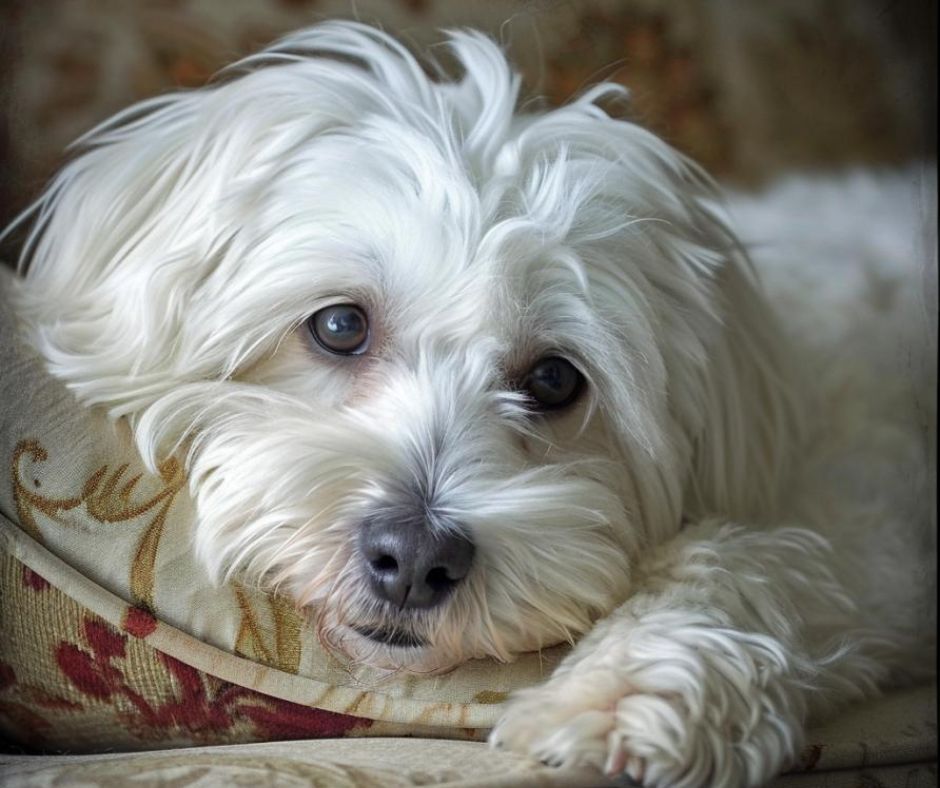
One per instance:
(385, 564)
(437, 579)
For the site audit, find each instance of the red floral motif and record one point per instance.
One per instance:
(138, 622)
(90, 676)
(93, 674)
(34, 580)
(202, 706)
(103, 639)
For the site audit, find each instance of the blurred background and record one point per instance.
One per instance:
(750, 89)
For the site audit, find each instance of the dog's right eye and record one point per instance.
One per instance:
(342, 329)
(553, 383)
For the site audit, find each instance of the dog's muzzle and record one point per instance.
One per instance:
(410, 562)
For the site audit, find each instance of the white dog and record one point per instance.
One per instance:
(468, 381)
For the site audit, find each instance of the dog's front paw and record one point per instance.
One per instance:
(573, 721)
(599, 718)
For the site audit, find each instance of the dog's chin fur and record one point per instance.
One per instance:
(172, 266)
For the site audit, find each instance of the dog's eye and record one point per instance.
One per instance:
(553, 383)
(342, 329)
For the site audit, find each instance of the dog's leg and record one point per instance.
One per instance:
(706, 675)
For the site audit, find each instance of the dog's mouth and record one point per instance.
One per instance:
(391, 637)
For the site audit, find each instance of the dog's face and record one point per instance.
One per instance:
(438, 368)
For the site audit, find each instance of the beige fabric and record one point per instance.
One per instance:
(888, 743)
(99, 527)
(332, 763)
(902, 776)
(896, 729)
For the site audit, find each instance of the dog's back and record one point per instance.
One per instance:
(849, 261)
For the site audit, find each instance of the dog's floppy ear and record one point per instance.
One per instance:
(134, 276)
(695, 372)
(751, 426)
(698, 381)
(106, 262)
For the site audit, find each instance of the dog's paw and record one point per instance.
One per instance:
(573, 722)
(600, 720)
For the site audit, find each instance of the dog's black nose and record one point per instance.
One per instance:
(410, 564)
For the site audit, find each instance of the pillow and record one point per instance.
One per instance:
(112, 635)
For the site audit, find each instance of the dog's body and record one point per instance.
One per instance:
(469, 382)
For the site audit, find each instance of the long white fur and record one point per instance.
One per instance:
(169, 272)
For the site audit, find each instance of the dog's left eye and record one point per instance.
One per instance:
(553, 382)
(342, 329)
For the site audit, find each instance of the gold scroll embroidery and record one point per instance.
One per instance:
(251, 641)
(108, 498)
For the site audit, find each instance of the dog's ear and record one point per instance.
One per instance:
(135, 268)
(701, 390)
(751, 424)
(112, 255)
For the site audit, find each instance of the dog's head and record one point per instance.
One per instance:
(440, 369)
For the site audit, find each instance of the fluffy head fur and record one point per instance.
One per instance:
(172, 266)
